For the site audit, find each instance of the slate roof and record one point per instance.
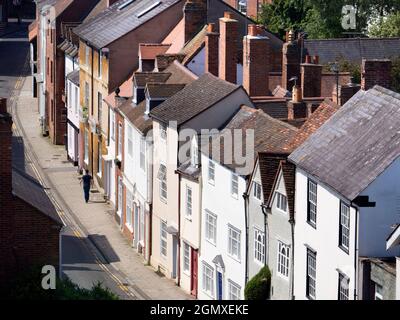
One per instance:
(113, 23)
(30, 191)
(74, 77)
(142, 78)
(135, 115)
(353, 49)
(356, 144)
(195, 98)
(149, 51)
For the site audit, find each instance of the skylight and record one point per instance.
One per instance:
(125, 4)
(154, 5)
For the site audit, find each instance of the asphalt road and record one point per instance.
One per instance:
(79, 262)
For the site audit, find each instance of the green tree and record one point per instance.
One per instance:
(386, 27)
(258, 288)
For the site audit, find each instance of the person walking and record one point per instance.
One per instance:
(87, 181)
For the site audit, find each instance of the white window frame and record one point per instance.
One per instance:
(231, 287)
(194, 153)
(120, 196)
(283, 260)
(163, 239)
(143, 153)
(100, 65)
(129, 210)
(210, 227)
(189, 202)
(234, 242)
(259, 246)
(234, 186)
(281, 201)
(86, 146)
(208, 274)
(343, 287)
(99, 160)
(163, 132)
(76, 100)
(141, 216)
(311, 274)
(119, 151)
(130, 141)
(211, 172)
(186, 258)
(378, 293)
(162, 179)
(344, 227)
(87, 55)
(99, 107)
(312, 210)
(257, 191)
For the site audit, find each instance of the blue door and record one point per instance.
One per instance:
(219, 285)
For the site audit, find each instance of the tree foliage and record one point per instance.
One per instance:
(323, 19)
(258, 288)
(386, 27)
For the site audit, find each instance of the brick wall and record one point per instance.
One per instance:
(376, 72)
(228, 47)
(212, 50)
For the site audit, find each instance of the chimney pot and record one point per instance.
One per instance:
(316, 59)
(308, 59)
(229, 15)
(211, 28)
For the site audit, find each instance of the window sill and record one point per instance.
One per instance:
(186, 273)
(211, 183)
(163, 200)
(234, 258)
(344, 249)
(235, 196)
(311, 224)
(210, 242)
(309, 297)
(209, 294)
(189, 218)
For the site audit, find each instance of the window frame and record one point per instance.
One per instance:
(186, 258)
(129, 141)
(120, 140)
(231, 240)
(259, 246)
(312, 205)
(189, 202)
(142, 159)
(279, 198)
(232, 284)
(100, 65)
(311, 254)
(86, 147)
(257, 191)
(211, 227)
(344, 229)
(99, 107)
(283, 261)
(342, 290)
(163, 239)
(211, 168)
(129, 210)
(163, 132)
(208, 279)
(234, 185)
(99, 159)
(378, 295)
(163, 186)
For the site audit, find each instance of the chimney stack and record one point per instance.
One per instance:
(256, 57)
(212, 47)
(311, 77)
(346, 92)
(111, 2)
(228, 47)
(376, 72)
(195, 17)
(290, 61)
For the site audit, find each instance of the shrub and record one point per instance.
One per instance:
(28, 287)
(259, 287)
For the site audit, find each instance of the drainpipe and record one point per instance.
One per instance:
(91, 102)
(356, 250)
(179, 232)
(291, 293)
(265, 211)
(246, 204)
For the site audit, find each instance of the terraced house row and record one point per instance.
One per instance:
(223, 149)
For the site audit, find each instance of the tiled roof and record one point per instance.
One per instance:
(74, 77)
(149, 51)
(356, 144)
(324, 112)
(135, 115)
(353, 49)
(276, 108)
(142, 78)
(30, 191)
(163, 90)
(270, 135)
(195, 98)
(289, 175)
(268, 166)
(104, 29)
(180, 74)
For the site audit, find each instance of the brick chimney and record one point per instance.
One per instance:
(376, 72)
(256, 57)
(212, 47)
(297, 108)
(346, 92)
(290, 61)
(7, 221)
(228, 47)
(311, 77)
(195, 17)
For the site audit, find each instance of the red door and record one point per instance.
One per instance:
(193, 272)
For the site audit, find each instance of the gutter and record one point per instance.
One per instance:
(356, 251)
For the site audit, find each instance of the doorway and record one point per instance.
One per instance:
(194, 272)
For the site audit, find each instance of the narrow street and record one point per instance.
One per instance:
(81, 262)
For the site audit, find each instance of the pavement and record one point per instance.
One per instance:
(93, 248)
